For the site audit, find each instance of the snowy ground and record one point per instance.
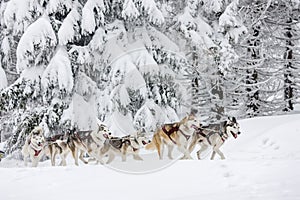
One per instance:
(263, 163)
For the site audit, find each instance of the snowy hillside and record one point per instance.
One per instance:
(263, 163)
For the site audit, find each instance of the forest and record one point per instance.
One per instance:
(136, 64)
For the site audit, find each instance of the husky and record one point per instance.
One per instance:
(175, 134)
(127, 145)
(34, 146)
(57, 145)
(88, 142)
(214, 135)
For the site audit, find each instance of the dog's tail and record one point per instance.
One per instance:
(155, 140)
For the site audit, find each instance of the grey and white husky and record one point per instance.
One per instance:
(33, 147)
(124, 146)
(214, 135)
(57, 145)
(90, 142)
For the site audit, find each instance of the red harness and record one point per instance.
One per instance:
(36, 152)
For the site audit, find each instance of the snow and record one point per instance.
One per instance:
(55, 5)
(19, 10)
(38, 33)
(98, 40)
(59, 71)
(81, 114)
(155, 15)
(32, 73)
(229, 21)
(120, 125)
(129, 10)
(66, 33)
(88, 22)
(262, 163)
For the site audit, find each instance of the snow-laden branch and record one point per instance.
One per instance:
(59, 72)
(129, 10)
(39, 34)
(88, 21)
(67, 31)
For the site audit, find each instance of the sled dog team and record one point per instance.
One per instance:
(99, 143)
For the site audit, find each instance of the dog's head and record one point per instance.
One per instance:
(232, 127)
(142, 139)
(191, 121)
(37, 137)
(104, 132)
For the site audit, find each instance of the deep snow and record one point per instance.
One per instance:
(263, 163)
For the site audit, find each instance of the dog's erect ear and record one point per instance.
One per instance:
(233, 119)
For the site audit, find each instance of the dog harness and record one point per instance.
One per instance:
(117, 143)
(223, 135)
(169, 132)
(36, 152)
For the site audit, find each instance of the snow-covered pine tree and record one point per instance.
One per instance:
(286, 28)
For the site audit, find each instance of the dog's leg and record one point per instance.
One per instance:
(111, 157)
(97, 155)
(161, 151)
(63, 157)
(217, 150)
(203, 148)
(159, 145)
(213, 155)
(81, 157)
(26, 160)
(170, 150)
(184, 151)
(193, 143)
(34, 161)
(123, 156)
(53, 156)
(75, 155)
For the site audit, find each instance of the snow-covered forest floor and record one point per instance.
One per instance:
(262, 163)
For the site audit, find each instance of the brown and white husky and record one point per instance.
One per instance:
(174, 135)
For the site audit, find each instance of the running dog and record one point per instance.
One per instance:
(57, 145)
(214, 135)
(127, 145)
(34, 146)
(175, 134)
(88, 142)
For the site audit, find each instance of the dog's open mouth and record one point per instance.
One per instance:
(144, 143)
(105, 135)
(233, 134)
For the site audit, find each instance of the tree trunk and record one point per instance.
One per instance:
(288, 56)
(252, 78)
